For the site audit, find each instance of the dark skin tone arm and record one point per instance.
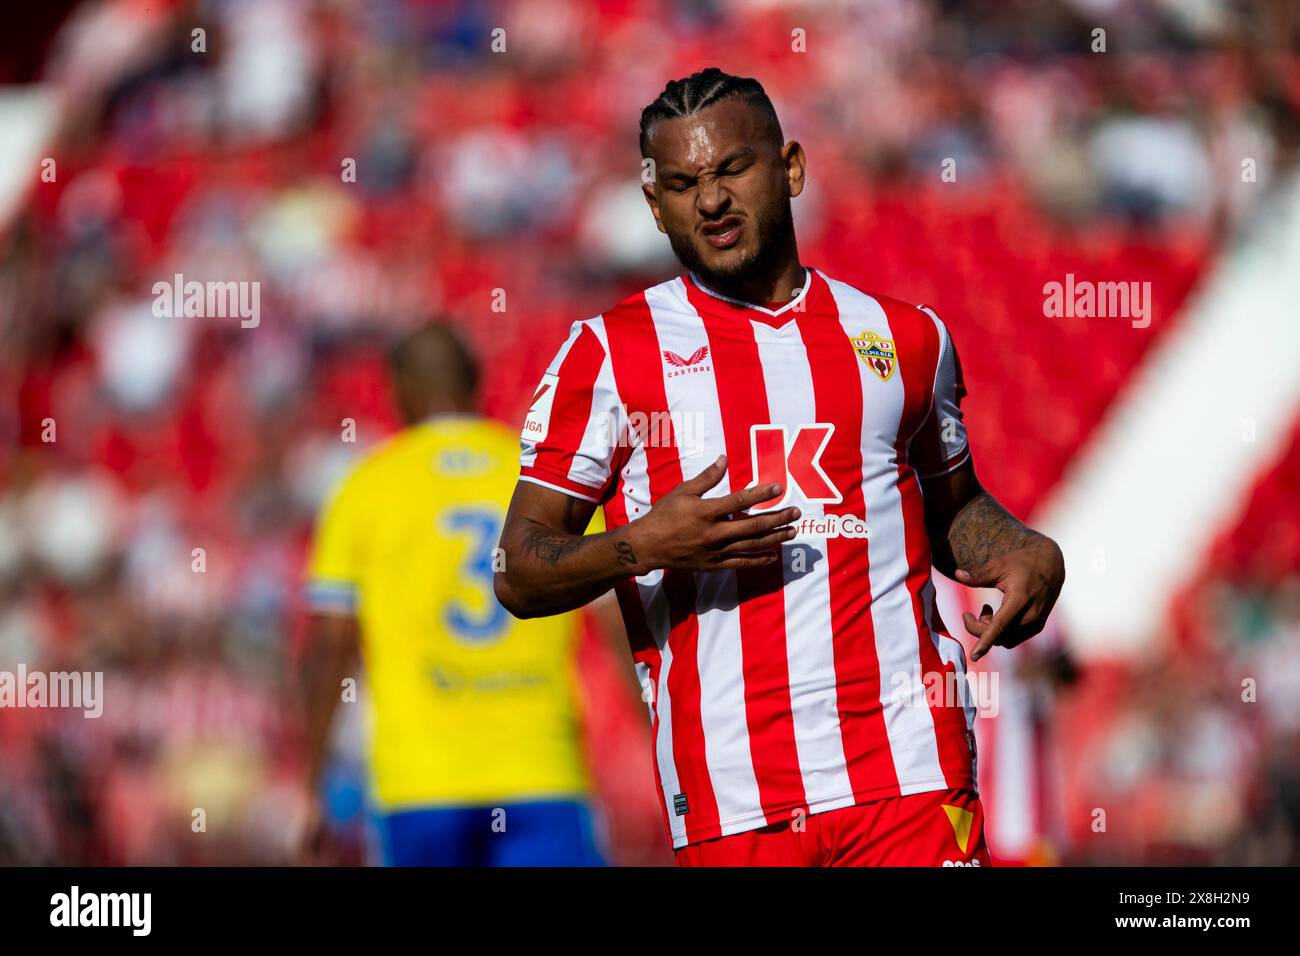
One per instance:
(333, 654)
(977, 542)
(551, 567)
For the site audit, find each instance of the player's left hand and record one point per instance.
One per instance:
(1030, 580)
(314, 846)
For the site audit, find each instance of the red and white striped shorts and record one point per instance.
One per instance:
(937, 828)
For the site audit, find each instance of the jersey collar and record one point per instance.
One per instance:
(740, 303)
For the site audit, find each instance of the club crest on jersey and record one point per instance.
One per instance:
(878, 353)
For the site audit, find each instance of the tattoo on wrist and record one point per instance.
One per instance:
(983, 530)
(625, 553)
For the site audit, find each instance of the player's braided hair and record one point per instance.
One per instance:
(692, 94)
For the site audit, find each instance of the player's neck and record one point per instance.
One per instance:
(436, 410)
(785, 286)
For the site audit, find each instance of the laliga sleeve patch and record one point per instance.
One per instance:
(538, 422)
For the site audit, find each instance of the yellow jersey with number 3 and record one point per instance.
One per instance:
(465, 704)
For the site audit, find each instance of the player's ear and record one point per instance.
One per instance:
(648, 190)
(795, 163)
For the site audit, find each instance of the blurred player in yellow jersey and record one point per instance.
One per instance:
(472, 715)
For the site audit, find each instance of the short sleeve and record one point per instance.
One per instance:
(940, 445)
(333, 577)
(574, 421)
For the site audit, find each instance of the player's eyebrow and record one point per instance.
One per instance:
(739, 154)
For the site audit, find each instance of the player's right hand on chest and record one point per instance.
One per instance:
(688, 532)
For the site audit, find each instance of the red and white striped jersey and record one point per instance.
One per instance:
(810, 684)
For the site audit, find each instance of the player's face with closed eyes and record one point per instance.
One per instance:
(722, 189)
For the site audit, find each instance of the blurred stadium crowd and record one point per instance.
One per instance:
(502, 189)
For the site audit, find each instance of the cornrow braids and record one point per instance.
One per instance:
(688, 96)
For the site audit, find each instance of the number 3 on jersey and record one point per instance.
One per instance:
(481, 619)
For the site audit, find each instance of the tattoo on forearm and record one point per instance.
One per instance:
(625, 553)
(983, 529)
(548, 546)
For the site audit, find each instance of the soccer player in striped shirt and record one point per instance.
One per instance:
(780, 458)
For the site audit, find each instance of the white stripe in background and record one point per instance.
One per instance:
(29, 116)
(1178, 452)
